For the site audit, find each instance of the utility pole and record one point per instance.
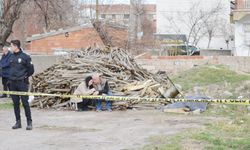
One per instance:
(97, 10)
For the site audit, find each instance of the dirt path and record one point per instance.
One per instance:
(91, 130)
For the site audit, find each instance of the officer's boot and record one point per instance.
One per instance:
(29, 125)
(3, 96)
(17, 125)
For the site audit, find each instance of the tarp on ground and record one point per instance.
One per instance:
(190, 105)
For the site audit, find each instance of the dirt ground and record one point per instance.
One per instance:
(117, 130)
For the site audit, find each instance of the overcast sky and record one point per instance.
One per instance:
(127, 1)
(117, 1)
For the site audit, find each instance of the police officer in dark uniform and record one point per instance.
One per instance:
(21, 68)
(5, 67)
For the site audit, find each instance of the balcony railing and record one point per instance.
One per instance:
(242, 4)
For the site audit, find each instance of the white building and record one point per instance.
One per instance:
(178, 16)
(241, 19)
(119, 13)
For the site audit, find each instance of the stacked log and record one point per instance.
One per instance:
(125, 76)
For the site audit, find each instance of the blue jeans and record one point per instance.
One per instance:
(99, 103)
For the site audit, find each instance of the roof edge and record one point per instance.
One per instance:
(60, 31)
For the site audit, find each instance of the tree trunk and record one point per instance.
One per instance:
(209, 39)
(135, 5)
(10, 13)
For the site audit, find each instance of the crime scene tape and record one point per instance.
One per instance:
(139, 99)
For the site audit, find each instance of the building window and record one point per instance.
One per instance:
(103, 16)
(126, 16)
(113, 17)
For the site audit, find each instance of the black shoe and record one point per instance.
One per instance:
(3, 96)
(29, 125)
(17, 125)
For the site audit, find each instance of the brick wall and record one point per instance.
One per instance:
(118, 36)
(76, 40)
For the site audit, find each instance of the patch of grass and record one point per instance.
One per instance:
(226, 135)
(208, 74)
(221, 143)
(229, 111)
(6, 106)
(230, 132)
(164, 143)
(216, 136)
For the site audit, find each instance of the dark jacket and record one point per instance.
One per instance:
(5, 65)
(21, 66)
(103, 87)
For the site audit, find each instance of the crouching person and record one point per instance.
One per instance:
(102, 88)
(85, 88)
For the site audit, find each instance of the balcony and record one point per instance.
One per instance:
(239, 9)
(241, 5)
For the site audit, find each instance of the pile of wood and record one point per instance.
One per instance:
(125, 76)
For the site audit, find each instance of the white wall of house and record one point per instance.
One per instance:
(172, 18)
(242, 37)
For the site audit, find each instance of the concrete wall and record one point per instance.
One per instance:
(171, 64)
(173, 18)
(42, 62)
(176, 65)
(213, 52)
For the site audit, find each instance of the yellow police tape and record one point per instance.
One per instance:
(139, 99)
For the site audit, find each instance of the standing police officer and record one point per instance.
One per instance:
(21, 68)
(5, 66)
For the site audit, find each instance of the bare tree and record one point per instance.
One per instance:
(197, 21)
(54, 12)
(211, 28)
(136, 11)
(226, 30)
(10, 12)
